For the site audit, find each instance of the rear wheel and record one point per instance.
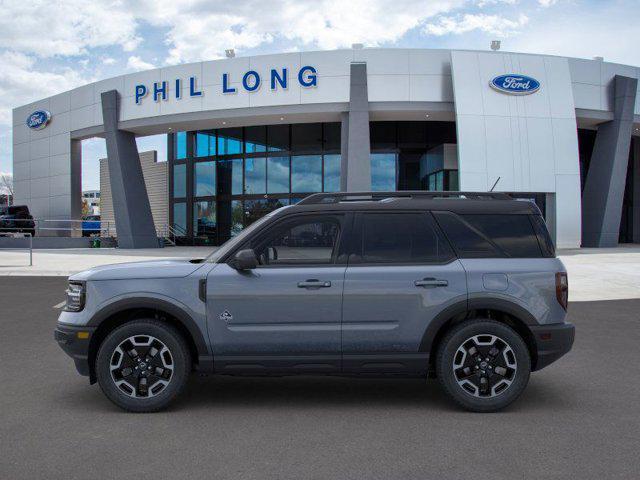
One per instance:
(483, 365)
(143, 365)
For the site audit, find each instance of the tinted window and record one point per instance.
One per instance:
(401, 238)
(546, 244)
(488, 235)
(467, 242)
(306, 137)
(255, 139)
(513, 234)
(305, 241)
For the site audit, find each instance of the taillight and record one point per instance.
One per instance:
(562, 289)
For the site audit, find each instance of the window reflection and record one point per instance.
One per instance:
(229, 141)
(180, 218)
(181, 145)
(205, 144)
(278, 175)
(230, 176)
(255, 139)
(383, 172)
(204, 179)
(255, 175)
(204, 219)
(180, 180)
(332, 173)
(306, 173)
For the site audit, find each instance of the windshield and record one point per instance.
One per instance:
(240, 238)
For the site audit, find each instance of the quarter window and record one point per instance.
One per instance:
(401, 238)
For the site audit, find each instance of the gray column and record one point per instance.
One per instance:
(604, 187)
(356, 158)
(636, 189)
(132, 212)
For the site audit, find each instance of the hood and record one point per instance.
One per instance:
(153, 269)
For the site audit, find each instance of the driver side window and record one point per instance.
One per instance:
(304, 241)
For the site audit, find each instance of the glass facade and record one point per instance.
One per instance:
(223, 180)
(399, 156)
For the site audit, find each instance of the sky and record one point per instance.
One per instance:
(48, 47)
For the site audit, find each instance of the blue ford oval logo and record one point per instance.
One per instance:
(38, 119)
(515, 84)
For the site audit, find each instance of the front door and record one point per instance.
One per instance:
(400, 276)
(285, 314)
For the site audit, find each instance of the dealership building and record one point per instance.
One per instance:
(248, 135)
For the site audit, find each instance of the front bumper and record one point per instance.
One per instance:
(552, 342)
(75, 342)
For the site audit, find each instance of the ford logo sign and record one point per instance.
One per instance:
(38, 119)
(515, 84)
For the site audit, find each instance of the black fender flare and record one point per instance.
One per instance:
(155, 304)
(465, 306)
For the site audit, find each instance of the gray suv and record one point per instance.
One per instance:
(461, 286)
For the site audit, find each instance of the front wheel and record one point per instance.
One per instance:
(143, 365)
(483, 365)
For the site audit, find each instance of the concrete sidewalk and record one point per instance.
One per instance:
(594, 274)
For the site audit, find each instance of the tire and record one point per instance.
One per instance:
(460, 368)
(129, 350)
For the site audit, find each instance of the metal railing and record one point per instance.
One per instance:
(12, 234)
(43, 227)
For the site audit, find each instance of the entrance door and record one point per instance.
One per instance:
(285, 314)
(401, 275)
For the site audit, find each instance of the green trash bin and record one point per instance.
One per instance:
(95, 243)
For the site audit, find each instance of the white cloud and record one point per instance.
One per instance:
(547, 3)
(17, 85)
(491, 24)
(323, 24)
(46, 29)
(136, 63)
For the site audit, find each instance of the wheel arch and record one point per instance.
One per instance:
(123, 311)
(501, 310)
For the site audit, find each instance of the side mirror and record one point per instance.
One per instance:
(244, 260)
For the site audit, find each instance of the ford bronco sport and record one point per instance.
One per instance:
(462, 286)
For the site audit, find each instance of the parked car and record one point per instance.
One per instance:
(17, 219)
(91, 225)
(465, 287)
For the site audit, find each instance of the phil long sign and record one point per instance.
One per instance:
(251, 81)
(515, 84)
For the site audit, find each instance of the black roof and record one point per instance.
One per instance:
(457, 202)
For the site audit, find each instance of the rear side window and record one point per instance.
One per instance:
(488, 235)
(401, 238)
(544, 239)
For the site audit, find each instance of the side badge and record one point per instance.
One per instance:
(226, 316)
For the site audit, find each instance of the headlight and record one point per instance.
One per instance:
(75, 297)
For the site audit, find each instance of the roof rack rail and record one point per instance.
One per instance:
(317, 198)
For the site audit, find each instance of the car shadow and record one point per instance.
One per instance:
(307, 392)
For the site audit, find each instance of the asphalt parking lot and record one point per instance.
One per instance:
(579, 418)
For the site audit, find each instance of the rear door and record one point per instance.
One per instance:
(401, 274)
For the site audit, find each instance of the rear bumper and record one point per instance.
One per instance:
(552, 342)
(75, 346)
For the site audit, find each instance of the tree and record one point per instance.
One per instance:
(86, 209)
(6, 187)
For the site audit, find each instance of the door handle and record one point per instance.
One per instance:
(313, 283)
(431, 283)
